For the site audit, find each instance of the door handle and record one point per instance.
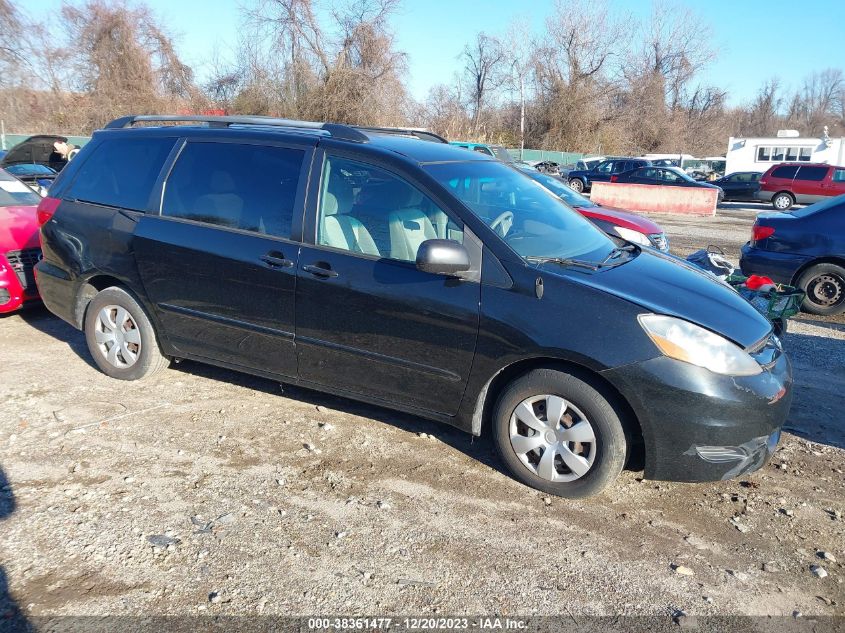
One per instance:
(275, 259)
(319, 271)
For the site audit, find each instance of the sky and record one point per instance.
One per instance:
(754, 39)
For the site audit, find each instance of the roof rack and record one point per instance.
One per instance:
(420, 133)
(335, 130)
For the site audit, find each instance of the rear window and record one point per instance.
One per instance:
(812, 173)
(239, 186)
(787, 171)
(836, 205)
(121, 172)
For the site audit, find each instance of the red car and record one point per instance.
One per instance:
(629, 226)
(20, 243)
(787, 183)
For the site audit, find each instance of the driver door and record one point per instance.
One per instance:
(368, 321)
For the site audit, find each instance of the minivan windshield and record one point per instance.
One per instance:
(532, 221)
(561, 190)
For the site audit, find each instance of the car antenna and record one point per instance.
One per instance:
(538, 287)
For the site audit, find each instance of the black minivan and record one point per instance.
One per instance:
(388, 266)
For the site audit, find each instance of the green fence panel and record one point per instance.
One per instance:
(564, 158)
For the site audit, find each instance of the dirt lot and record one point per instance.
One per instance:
(210, 492)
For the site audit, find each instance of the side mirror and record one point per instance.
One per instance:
(442, 257)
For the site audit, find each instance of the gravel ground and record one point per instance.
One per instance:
(204, 491)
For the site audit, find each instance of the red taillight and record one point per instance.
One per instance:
(614, 178)
(761, 232)
(46, 208)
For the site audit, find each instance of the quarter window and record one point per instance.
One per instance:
(239, 186)
(367, 210)
(121, 172)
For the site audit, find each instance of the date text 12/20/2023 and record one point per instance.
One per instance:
(415, 624)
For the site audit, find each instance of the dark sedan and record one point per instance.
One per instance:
(803, 248)
(582, 179)
(741, 186)
(667, 176)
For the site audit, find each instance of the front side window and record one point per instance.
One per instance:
(839, 175)
(529, 218)
(605, 167)
(367, 210)
(121, 172)
(238, 186)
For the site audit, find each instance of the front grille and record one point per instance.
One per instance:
(659, 241)
(23, 263)
(4, 296)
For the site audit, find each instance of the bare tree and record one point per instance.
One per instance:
(484, 66)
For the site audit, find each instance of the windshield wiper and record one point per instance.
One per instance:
(563, 261)
(605, 263)
(616, 252)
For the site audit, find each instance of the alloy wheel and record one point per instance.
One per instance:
(118, 337)
(552, 438)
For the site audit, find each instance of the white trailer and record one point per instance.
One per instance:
(760, 153)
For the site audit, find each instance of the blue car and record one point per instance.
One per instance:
(803, 248)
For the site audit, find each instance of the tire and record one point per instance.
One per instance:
(130, 352)
(783, 201)
(577, 185)
(825, 288)
(583, 402)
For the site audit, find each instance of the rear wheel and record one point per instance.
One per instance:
(577, 184)
(556, 432)
(783, 201)
(120, 336)
(825, 288)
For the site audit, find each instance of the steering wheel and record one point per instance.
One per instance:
(503, 223)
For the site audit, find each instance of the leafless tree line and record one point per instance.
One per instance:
(593, 80)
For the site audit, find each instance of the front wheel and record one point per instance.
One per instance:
(825, 288)
(556, 432)
(120, 336)
(577, 185)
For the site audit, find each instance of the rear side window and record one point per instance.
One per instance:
(787, 171)
(812, 173)
(839, 175)
(239, 186)
(121, 172)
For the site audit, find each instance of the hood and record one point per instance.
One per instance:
(18, 228)
(621, 218)
(664, 284)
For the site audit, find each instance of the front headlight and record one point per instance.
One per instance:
(632, 236)
(690, 343)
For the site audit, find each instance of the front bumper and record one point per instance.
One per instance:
(701, 426)
(12, 293)
(780, 267)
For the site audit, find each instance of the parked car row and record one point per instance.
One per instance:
(494, 298)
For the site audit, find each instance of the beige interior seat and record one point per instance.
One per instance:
(221, 206)
(409, 227)
(339, 229)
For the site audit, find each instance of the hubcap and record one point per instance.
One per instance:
(782, 202)
(118, 337)
(825, 290)
(552, 438)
